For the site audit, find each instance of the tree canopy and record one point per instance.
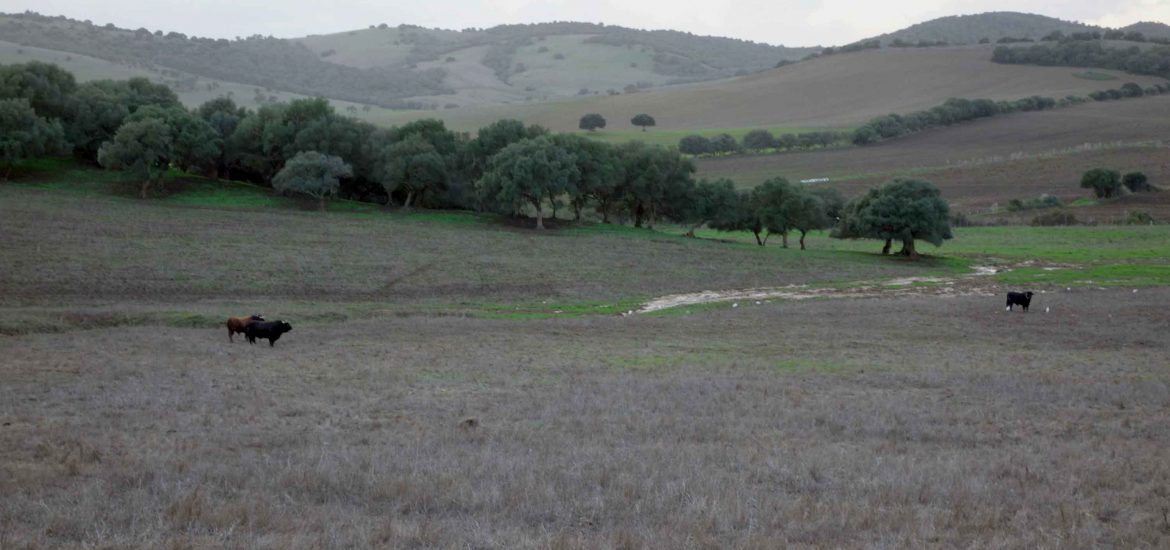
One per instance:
(528, 172)
(1105, 183)
(591, 122)
(905, 210)
(643, 120)
(312, 174)
(142, 147)
(23, 134)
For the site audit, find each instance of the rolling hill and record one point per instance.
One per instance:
(970, 29)
(834, 91)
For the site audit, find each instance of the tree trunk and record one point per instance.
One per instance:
(886, 248)
(409, 197)
(638, 212)
(321, 203)
(539, 215)
(802, 234)
(908, 249)
(553, 202)
(758, 241)
(604, 212)
(691, 232)
(784, 239)
(145, 187)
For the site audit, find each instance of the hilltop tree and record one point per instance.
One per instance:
(591, 122)
(905, 210)
(1105, 183)
(528, 172)
(143, 148)
(23, 134)
(643, 120)
(312, 174)
(412, 166)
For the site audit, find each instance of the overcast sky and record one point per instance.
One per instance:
(788, 22)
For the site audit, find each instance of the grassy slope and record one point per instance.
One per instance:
(389, 418)
(833, 91)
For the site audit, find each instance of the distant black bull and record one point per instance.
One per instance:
(270, 330)
(1023, 299)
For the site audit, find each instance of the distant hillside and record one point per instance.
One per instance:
(256, 60)
(1150, 29)
(835, 91)
(970, 29)
(534, 62)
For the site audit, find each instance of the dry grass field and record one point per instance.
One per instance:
(429, 397)
(990, 161)
(829, 92)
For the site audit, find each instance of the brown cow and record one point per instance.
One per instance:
(238, 324)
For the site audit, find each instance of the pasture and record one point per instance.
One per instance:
(454, 380)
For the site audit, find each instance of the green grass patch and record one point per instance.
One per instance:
(1097, 275)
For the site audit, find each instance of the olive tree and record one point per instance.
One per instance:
(1105, 183)
(643, 120)
(23, 134)
(528, 172)
(141, 147)
(312, 174)
(591, 122)
(412, 166)
(905, 210)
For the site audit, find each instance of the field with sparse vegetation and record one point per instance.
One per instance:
(455, 380)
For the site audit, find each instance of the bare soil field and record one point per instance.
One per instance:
(927, 422)
(993, 160)
(830, 92)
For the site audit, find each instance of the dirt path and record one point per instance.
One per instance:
(964, 285)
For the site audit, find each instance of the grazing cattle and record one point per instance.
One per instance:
(1023, 299)
(266, 329)
(237, 324)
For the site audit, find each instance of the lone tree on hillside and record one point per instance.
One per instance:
(591, 122)
(23, 134)
(905, 210)
(1105, 183)
(528, 172)
(643, 120)
(142, 147)
(312, 174)
(1136, 182)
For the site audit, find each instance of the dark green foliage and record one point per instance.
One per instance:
(643, 120)
(493, 138)
(832, 201)
(1044, 201)
(412, 166)
(1137, 182)
(600, 174)
(724, 144)
(983, 28)
(656, 182)
(1105, 183)
(903, 210)
(1139, 217)
(142, 147)
(694, 145)
(591, 122)
(23, 134)
(47, 87)
(528, 172)
(312, 174)
(1131, 89)
(1151, 61)
(715, 203)
(758, 140)
(97, 109)
(953, 111)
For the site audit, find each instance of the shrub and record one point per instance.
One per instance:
(1137, 182)
(1104, 183)
(1044, 201)
(1139, 217)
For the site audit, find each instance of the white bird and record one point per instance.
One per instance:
(735, 304)
(758, 302)
(1135, 291)
(1045, 310)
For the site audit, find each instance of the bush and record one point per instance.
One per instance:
(1044, 201)
(1059, 217)
(1139, 217)
(1104, 183)
(1137, 182)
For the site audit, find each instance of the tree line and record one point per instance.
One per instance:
(1153, 61)
(304, 148)
(758, 141)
